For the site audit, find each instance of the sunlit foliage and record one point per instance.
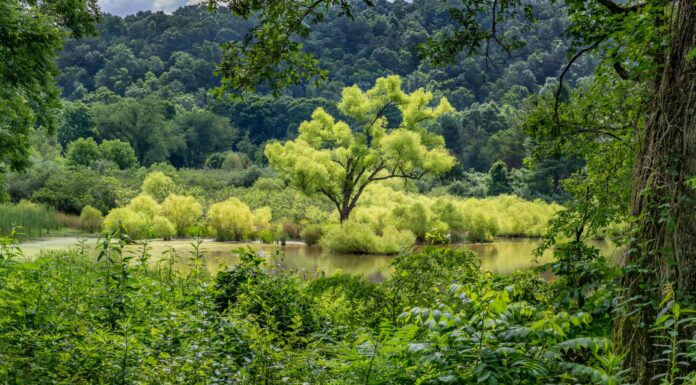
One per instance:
(338, 159)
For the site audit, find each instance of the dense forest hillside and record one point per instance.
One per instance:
(172, 58)
(142, 93)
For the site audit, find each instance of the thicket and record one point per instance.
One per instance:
(437, 319)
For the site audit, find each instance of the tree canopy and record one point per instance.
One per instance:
(338, 159)
(31, 33)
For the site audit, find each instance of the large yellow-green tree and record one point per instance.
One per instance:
(338, 160)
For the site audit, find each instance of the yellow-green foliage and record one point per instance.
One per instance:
(124, 219)
(138, 225)
(261, 218)
(161, 227)
(230, 219)
(333, 159)
(183, 211)
(90, 219)
(356, 237)
(472, 219)
(145, 204)
(158, 185)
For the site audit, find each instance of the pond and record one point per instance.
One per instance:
(501, 256)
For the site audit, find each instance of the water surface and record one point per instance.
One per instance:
(501, 256)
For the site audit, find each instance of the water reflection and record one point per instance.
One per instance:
(501, 256)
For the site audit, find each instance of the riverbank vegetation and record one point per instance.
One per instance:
(438, 319)
(363, 127)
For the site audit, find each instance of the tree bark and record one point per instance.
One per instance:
(663, 247)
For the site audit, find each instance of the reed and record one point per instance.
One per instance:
(28, 219)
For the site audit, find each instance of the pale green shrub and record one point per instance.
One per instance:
(158, 185)
(311, 234)
(231, 219)
(146, 205)
(124, 219)
(182, 211)
(359, 238)
(90, 219)
(161, 227)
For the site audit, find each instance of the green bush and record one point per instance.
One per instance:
(274, 301)
(158, 185)
(311, 234)
(182, 211)
(90, 219)
(230, 220)
(354, 237)
(124, 219)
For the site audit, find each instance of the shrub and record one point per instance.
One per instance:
(182, 211)
(261, 218)
(235, 161)
(393, 240)
(354, 237)
(273, 301)
(230, 220)
(311, 234)
(158, 185)
(146, 205)
(70, 190)
(90, 219)
(124, 219)
(161, 227)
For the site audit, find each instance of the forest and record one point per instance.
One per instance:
(348, 192)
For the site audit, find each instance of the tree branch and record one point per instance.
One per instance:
(565, 71)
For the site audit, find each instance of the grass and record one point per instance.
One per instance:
(29, 220)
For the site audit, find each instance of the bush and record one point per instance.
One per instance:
(182, 211)
(124, 219)
(161, 227)
(230, 220)
(311, 234)
(354, 237)
(273, 301)
(146, 205)
(158, 185)
(90, 219)
(71, 190)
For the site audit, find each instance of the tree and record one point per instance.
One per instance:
(76, 122)
(119, 152)
(141, 123)
(31, 33)
(204, 133)
(83, 152)
(498, 182)
(333, 159)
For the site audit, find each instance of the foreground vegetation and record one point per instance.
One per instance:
(69, 319)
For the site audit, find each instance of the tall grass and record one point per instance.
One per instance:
(29, 219)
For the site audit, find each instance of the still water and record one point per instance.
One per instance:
(501, 256)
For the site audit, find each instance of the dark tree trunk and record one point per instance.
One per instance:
(663, 250)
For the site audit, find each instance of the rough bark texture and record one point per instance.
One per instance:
(664, 248)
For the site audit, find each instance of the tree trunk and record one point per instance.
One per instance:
(663, 249)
